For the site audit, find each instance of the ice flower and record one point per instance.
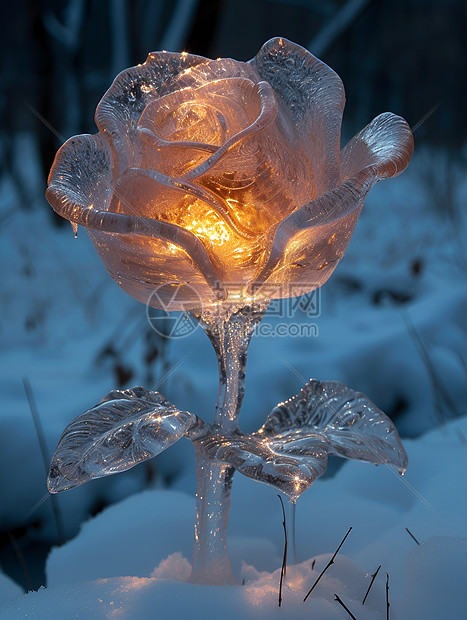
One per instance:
(222, 178)
(222, 181)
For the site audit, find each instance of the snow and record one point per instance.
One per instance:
(131, 597)
(133, 557)
(9, 590)
(60, 310)
(130, 537)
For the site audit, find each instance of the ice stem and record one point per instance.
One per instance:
(211, 563)
(230, 331)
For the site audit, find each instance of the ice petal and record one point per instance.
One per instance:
(313, 94)
(383, 148)
(139, 252)
(309, 243)
(120, 108)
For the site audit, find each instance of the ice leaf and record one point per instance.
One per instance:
(291, 464)
(126, 428)
(348, 421)
(290, 450)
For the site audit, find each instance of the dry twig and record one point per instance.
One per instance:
(342, 604)
(373, 577)
(284, 560)
(410, 534)
(388, 604)
(45, 456)
(331, 561)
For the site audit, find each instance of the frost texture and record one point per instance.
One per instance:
(124, 429)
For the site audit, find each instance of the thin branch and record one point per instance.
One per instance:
(284, 559)
(67, 32)
(175, 36)
(440, 392)
(373, 577)
(331, 561)
(45, 457)
(21, 560)
(410, 534)
(342, 604)
(340, 22)
(388, 604)
(118, 17)
(292, 507)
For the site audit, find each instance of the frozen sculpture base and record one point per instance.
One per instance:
(289, 451)
(213, 182)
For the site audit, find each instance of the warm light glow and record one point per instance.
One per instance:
(219, 150)
(239, 295)
(205, 224)
(173, 248)
(298, 483)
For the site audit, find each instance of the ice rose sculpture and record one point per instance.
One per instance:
(222, 185)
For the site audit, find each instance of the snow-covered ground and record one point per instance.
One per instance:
(132, 560)
(392, 325)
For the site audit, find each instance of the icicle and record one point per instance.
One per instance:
(291, 505)
(74, 227)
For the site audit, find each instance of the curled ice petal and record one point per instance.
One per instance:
(309, 243)
(382, 149)
(126, 428)
(159, 252)
(120, 108)
(325, 225)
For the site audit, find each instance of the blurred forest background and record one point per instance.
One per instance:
(73, 335)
